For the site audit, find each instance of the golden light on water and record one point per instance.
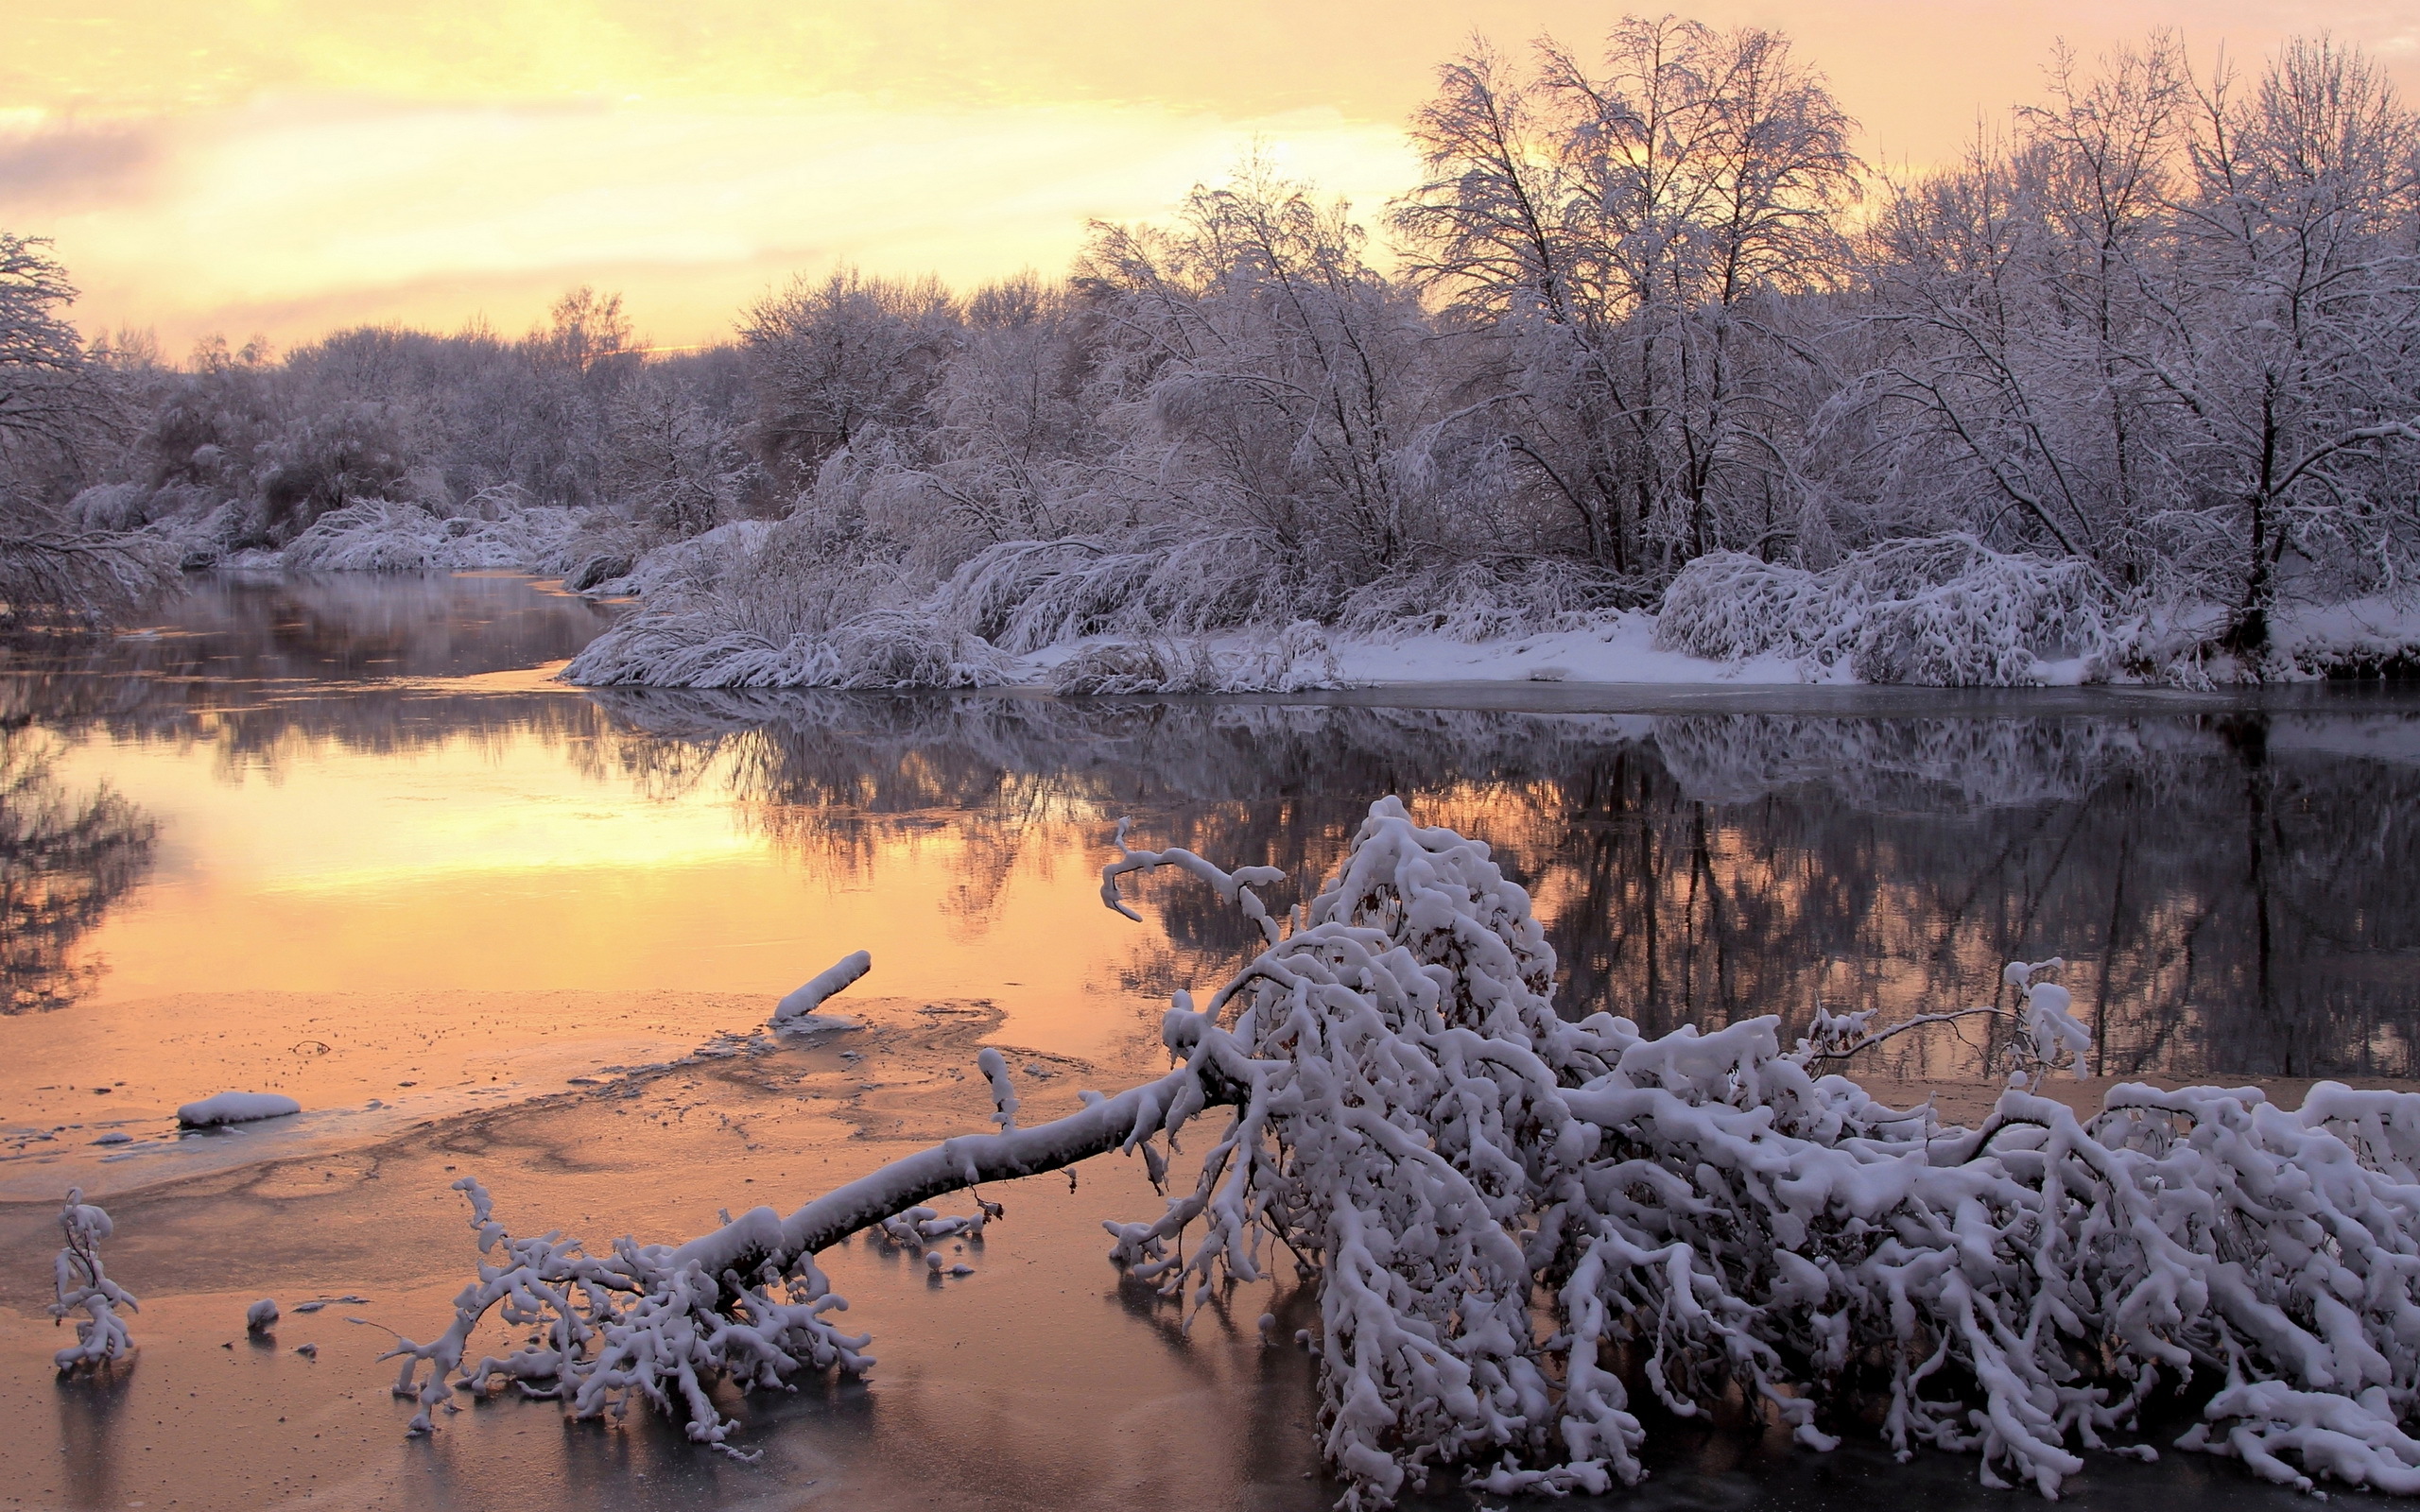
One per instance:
(495, 864)
(281, 168)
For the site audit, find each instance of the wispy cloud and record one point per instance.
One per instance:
(288, 212)
(280, 166)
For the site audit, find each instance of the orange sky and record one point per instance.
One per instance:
(281, 167)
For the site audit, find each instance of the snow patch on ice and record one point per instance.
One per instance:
(237, 1108)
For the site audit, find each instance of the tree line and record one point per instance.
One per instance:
(1645, 306)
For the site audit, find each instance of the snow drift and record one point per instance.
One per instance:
(1523, 1227)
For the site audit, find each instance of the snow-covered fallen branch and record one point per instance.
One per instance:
(1518, 1223)
(797, 1011)
(81, 1283)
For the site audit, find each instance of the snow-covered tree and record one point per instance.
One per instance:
(2291, 334)
(1625, 220)
(59, 410)
(834, 356)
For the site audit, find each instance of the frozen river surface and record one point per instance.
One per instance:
(343, 840)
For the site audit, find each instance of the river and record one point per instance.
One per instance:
(344, 838)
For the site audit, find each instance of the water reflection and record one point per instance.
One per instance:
(2228, 878)
(250, 668)
(2227, 882)
(65, 858)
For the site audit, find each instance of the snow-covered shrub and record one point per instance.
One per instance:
(368, 536)
(1515, 1218)
(1474, 601)
(379, 536)
(913, 648)
(1296, 659)
(682, 570)
(895, 648)
(1023, 596)
(1111, 667)
(1943, 611)
(81, 1283)
(110, 507)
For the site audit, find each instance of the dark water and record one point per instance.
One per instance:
(334, 796)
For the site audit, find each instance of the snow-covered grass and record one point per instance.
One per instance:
(1518, 1219)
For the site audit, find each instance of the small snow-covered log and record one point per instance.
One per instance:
(796, 1010)
(81, 1283)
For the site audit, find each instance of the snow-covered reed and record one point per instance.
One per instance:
(1941, 610)
(82, 1285)
(1524, 1227)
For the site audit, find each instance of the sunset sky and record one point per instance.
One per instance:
(277, 168)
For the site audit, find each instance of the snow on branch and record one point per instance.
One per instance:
(81, 1283)
(1518, 1223)
(797, 1010)
(1234, 886)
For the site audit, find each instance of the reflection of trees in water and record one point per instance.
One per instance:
(2229, 906)
(2229, 885)
(2212, 897)
(354, 626)
(64, 859)
(254, 670)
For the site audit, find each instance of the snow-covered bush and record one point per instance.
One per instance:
(1475, 601)
(1109, 668)
(1516, 1220)
(374, 534)
(81, 1284)
(1296, 659)
(1943, 610)
(1023, 596)
(891, 648)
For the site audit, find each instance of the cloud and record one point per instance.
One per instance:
(279, 215)
(53, 165)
